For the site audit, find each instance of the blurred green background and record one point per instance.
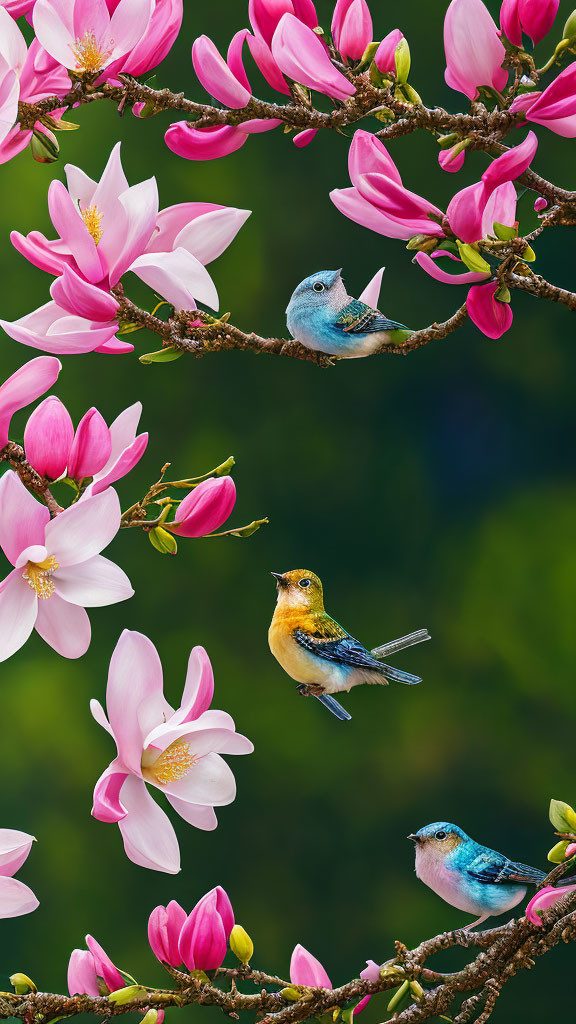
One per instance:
(437, 490)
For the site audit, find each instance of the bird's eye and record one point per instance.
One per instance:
(440, 836)
(304, 583)
(318, 287)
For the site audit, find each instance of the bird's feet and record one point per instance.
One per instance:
(310, 690)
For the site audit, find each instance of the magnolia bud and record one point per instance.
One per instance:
(44, 146)
(22, 984)
(557, 854)
(570, 26)
(473, 260)
(402, 61)
(241, 944)
(126, 995)
(163, 541)
(150, 1018)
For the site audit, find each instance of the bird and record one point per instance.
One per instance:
(323, 317)
(318, 653)
(469, 876)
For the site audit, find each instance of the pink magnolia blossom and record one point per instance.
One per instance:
(58, 569)
(555, 108)
(534, 18)
(305, 969)
(205, 508)
(13, 53)
(474, 52)
(384, 57)
(164, 927)
(16, 898)
(155, 43)
(544, 899)
(83, 36)
(216, 76)
(126, 449)
(215, 142)
(370, 973)
(265, 15)
(490, 315)
(90, 970)
(351, 27)
(176, 752)
(305, 137)
(35, 76)
(301, 56)
(203, 940)
(451, 160)
(106, 229)
(25, 385)
(378, 200)
(48, 438)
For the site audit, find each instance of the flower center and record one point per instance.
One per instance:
(92, 218)
(173, 764)
(38, 576)
(90, 54)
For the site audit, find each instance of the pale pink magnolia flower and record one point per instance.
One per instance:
(532, 17)
(203, 941)
(474, 51)
(88, 968)
(177, 752)
(378, 200)
(25, 385)
(351, 27)
(106, 229)
(16, 898)
(83, 36)
(301, 56)
(58, 569)
(305, 969)
(94, 451)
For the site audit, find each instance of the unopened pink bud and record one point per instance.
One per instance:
(48, 438)
(91, 447)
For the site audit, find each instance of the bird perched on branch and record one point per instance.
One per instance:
(468, 876)
(318, 653)
(322, 316)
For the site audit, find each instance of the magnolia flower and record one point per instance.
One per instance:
(28, 383)
(53, 448)
(370, 973)
(35, 75)
(305, 969)
(351, 27)
(16, 898)
(177, 752)
(384, 58)
(474, 52)
(534, 18)
(154, 44)
(216, 76)
(301, 56)
(215, 142)
(378, 200)
(555, 108)
(90, 970)
(265, 14)
(203, 941)
(544, 899)
(82, 36)
(13, 53)
(164, 927)
(58, 569)
(106, 229)
(205, 508)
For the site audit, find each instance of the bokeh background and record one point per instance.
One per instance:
(437, 490)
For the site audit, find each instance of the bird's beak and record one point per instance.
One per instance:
(413, 837)
(279, 577)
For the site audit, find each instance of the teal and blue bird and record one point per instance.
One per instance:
(468, 876)
(322, 316)
(318, 653)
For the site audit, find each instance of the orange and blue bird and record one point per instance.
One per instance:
(318, 653)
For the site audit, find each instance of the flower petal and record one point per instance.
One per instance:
(85, 529)
(178, 276)
(18, 611)
(93, 584)
(14, 849)
(16, 898)
(134, 678)
(28, 383)
(148, 834)
(23, 519)
(63, 626)
(305, 969)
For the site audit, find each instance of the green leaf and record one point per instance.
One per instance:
(529, 255)
(504, 232)
(242, 531)
(503, 294)
(562, 816)
(398, 996)
(473, 260)
(402, 61)
(164, 355)
(557, 854)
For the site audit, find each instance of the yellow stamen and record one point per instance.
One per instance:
(173, 764)
(92, 218)
(38, 576)
(90, 54)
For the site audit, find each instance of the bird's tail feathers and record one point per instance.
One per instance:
(398, 676)
(393, 646)
(333, 706)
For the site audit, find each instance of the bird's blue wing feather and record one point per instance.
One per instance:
(358, 318)
(495, 869)
(343, 651)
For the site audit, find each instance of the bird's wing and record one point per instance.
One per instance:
(342, 650)
(496, 869)
(358, 318)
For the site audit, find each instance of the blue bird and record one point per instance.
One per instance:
(322, 316)
(471, 877)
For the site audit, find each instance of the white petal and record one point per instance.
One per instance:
(16, 898)
(18, 610)
(148, 834)
(178, 276)
(84, 529)
(63, 626)
(93, 584)
(207, 236)
(201, 817)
